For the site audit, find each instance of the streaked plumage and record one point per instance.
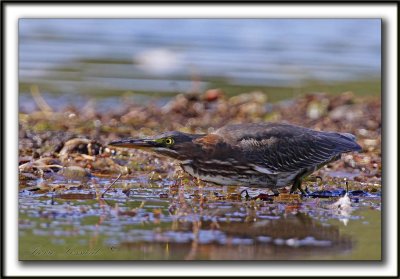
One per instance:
(269, 155)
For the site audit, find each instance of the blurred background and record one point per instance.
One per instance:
(71, 60)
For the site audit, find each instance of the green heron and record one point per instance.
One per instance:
(265, 155)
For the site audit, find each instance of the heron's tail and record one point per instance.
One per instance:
(345, 142)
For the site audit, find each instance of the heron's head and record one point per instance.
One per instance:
(174, 144)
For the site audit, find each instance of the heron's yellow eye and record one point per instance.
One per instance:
(169, 141)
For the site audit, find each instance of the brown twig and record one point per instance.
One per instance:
(108, 188)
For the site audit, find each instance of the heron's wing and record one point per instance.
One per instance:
(286, 148)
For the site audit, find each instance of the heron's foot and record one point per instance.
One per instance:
(304, 193)
(297, 186)
(276, 192)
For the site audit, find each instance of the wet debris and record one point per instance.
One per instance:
(75, 196)
(43, 164)
(264, 197)
(286, 197)
(82, 146)
(342, 208)
(342, 203)
(328, 193)
(75, 173)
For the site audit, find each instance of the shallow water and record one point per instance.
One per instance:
(164, 220)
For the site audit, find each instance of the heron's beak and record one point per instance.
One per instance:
(134, 143)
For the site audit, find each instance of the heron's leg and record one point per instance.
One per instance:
(297, 185)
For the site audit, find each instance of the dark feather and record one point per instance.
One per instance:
(286, 148)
